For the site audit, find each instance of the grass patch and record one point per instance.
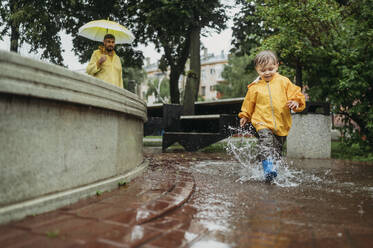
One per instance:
(122, 183)
(218, 147)
(354, 153)
(152, 143)
(153, 137)
(52, 234)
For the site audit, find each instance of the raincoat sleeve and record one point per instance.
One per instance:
(294, 93)
(248, 104)
(92, 67)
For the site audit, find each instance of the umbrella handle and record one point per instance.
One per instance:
(107, 30)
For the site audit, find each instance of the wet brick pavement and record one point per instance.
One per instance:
(127, 217)
(194, 200)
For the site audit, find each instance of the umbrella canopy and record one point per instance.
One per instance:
(96, 30)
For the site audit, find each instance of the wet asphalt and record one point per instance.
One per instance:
(329, 204)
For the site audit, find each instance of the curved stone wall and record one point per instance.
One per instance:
(64, 136)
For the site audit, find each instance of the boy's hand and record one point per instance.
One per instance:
(243, 121)
(292, 104)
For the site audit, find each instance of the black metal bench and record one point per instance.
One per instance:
(208, 125)
(194, 132)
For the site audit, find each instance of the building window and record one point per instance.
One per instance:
(203, 74)
(212, 88)
(212, 71)
(203, 89)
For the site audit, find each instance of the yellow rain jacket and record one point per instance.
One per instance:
(265, 104)
(110, 71)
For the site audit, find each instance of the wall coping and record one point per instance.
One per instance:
(29, 77)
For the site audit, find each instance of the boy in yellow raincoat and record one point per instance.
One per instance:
(267, 106)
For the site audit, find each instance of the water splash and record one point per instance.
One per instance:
(245, 148)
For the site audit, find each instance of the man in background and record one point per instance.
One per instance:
(105, 63)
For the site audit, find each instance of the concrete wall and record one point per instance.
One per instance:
(310, 136)
(64, 135)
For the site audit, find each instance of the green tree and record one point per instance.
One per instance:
(132, 77)
(301, 27)
(248, 31)
(204, 14)
(37, 23)
(169, 24)
(162, 23)
(194, 74)
(237, 74)
(84, 11)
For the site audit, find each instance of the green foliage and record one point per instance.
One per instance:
(53, 234)
(37, 23)
(331, 41)
(248, 30)
(217, 147)
(200, 98)
(355, 152)
(84, 11)
(133, 75)
(160, 89)
(238, 74)
(168, 24)
(122, 183)
(99, 192)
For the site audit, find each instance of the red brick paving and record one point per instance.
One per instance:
(130, 216)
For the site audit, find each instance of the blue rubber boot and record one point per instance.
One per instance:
(269, 172)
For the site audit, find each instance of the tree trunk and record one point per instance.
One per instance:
(174, 86)
(194, 75)
(298, 74)
(14, 26)
(177, 65)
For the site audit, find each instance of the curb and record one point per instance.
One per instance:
(52, 202)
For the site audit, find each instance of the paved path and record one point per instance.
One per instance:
(194, 200)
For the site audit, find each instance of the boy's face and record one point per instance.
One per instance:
(266, 72)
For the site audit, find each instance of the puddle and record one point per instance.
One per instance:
(247, 168)
(209, 244)
(235, 207)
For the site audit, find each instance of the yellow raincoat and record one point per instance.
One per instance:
(265, 104)
(110, 71)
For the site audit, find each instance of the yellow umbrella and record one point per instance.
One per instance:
(96, 30)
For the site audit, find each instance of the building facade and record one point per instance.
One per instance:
(212, 67)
